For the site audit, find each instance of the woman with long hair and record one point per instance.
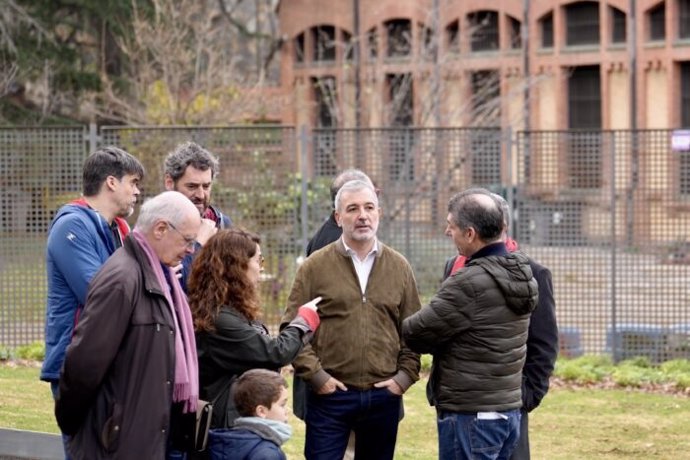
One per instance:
(231, 339)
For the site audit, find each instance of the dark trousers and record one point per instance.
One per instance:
(373, 415)
(521, 451)
(54, 388)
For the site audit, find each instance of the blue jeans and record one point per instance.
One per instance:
(54, 388)
(464, 436)
(372, 414)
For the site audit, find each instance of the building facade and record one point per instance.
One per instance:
(594, 89)
(577, 64)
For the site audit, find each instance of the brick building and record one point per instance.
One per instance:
(578, 56)
(578, 70)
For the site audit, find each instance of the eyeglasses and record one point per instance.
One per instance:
(190, 242)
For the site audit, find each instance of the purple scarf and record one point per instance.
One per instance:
(186, 366)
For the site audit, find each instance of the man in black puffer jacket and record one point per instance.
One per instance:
(476, 329)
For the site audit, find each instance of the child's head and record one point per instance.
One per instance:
(261, 393)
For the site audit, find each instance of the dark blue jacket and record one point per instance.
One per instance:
(79, 243)
(248, 442)
(222, 221)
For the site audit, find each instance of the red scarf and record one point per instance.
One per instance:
(511, 246)
(122, 225)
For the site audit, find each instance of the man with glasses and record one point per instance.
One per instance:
(189, 241)
(131, 370)
(190, 169)
(82, 236)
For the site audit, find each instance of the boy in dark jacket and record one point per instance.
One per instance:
(260, 397)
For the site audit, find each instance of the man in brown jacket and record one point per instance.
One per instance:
(357, 365)
(132, 360)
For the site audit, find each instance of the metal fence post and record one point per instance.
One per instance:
(614, 247)
(303, 152)
(511, 180)
(408, 161)
(93, 138)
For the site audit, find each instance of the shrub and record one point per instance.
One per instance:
(636, 373)
(585, 369)
(426, 363)
(34, 351)
(677, 370)
(5, 353)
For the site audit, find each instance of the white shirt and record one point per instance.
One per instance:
(363, 267)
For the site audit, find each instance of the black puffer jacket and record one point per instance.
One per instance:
(476, 328)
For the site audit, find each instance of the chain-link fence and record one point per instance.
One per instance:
(607, 212)
(40, 168)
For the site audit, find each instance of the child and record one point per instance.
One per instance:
(260, 397)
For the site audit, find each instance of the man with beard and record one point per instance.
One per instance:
(357, 365)
(82, 236)
(190, 169)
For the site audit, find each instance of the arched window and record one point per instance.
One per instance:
(683, 18)
(372, 44)
(299, 48)
(546, 28)
(398, 38)
(323, 39)
(656, 20)
(483, 30)
(582, 23)
(515, 33)
(618, 25)
(453, 37)
(427, 45)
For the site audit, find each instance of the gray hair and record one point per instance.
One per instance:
(170, 206)
(347, 176)
(505, 208)
(355, 185)
(190, 153)
(477, 208)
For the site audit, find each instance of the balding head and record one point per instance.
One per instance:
(477, 208)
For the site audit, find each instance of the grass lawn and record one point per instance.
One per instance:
(571, 423)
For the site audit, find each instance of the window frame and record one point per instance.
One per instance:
(582, 26)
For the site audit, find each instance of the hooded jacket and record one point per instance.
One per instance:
(476, 329)
(542, 335)
(246, 441)
(79, 243)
